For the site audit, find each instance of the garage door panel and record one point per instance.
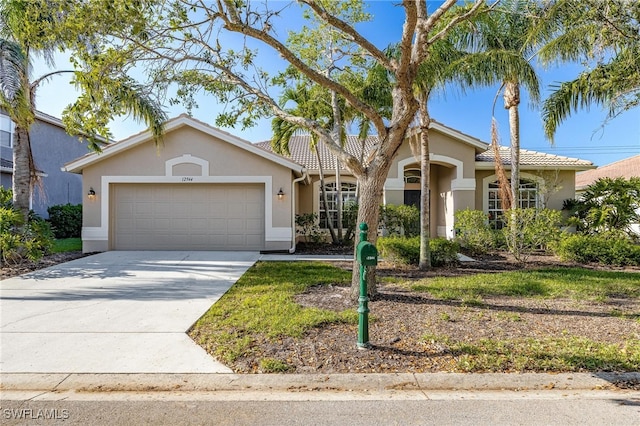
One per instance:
(188, 217)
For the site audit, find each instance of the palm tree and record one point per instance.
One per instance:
(17, 91)
(607, 33)
(43, 35)
(310, 103)
(501, 50)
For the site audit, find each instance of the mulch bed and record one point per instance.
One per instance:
(401, 318)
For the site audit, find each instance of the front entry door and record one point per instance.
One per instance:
(412, 197)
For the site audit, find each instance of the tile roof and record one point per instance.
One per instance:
(300, 152)
(626, 168)
(530, 158)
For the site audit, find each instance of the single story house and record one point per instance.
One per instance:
(205, 189)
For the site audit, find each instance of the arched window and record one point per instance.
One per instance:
(527, 198)
(412, 176)
(348, 194)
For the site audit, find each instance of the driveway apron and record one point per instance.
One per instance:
(115, 312)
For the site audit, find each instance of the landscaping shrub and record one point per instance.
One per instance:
(406, 251)
(349, 218)
(66, 220)
(400, 250)
(606, 205)
(607, 249)
(535, 229)
(473, 232)
(19, 241)
(400, 220)
(307, 226)
(443, 252)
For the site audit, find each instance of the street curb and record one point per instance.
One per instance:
(78, 382)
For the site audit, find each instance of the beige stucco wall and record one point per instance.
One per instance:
(442, 145)
(555, 186)
(225, 160)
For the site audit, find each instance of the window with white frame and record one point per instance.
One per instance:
(527, 198)
(6, 131)
(348, 194)
(412, 175)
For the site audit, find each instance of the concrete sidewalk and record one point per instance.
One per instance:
(115, 312)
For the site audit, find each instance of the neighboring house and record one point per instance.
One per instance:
(51, 147)
(626, 168)
(205, 189)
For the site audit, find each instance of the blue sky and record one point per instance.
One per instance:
(582, 135)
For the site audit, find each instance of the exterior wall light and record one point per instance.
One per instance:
(280, 194)
(91, 194)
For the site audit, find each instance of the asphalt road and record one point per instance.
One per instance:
(340, 408)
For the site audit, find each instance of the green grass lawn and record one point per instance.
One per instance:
(261, 305)
(262, 302)
(67, 244)
(550, 283)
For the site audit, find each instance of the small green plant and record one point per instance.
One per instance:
(272, 365)
(307, 226)
(473, 232)
(66, 220)
(19, 240)
(443, 252)
(445, 316)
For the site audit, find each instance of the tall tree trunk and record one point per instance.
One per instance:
(425, 178)
(324, 197)
(511, 102)
(22, 171)
(371, 186)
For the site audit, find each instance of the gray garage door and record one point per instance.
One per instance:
(188, 216)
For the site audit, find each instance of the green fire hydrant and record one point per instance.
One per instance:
(366, 255)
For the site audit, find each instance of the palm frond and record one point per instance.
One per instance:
(604, 85)
(13, 70)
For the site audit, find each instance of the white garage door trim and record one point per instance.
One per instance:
(271, 233)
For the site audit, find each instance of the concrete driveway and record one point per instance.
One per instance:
(115, 312)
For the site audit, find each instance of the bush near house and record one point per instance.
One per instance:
(66, 220)
(19, 241)
(608, 249)
(606, 205)
(307, 227)
(536, 230)
(400, 220)
(473, 232)
(406, 251)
